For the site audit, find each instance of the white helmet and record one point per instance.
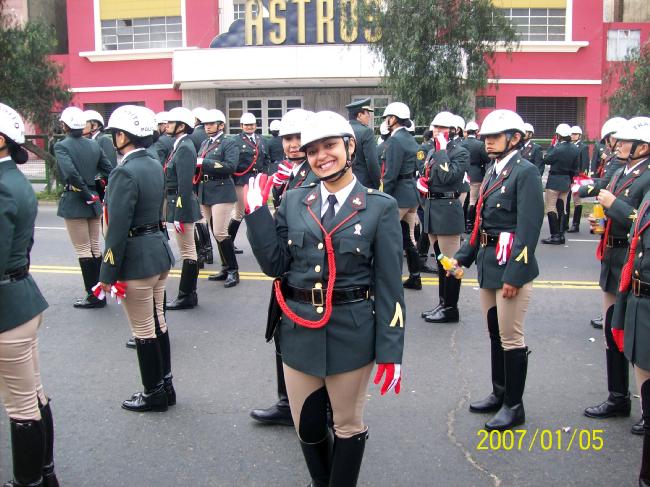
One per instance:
(200, 113)
(131, 119)
(411, 127)
(322, 125)
(500, 121)
(11, 124)
(576, 130)
(274, 126)
(248, 119)
(293, 121)
(443, 119)
(93, 115)
(162, 117)
(529, 128)
(637, 128)
(383, 128)
(73, 117)
(563, 130)
(460, 122)
(149, 117)
(398, 109)
(611, 126)
(471, 126)
(181, 114)
(213, 116)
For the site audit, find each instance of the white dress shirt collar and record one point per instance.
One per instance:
(499, 165)
(341, 195)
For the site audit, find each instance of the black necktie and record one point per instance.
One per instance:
(328, 217)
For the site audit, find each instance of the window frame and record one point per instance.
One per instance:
(375, 120)
(263, 120)
(614, 53)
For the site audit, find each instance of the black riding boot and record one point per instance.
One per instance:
(564, 213)
(441, 286)
(575, 224)
(469, 222)
(232, 268)
(346, 464)
(494, 400)
(423, 253)
(166, 360)
(187, 297)
(90, 273)
(223, 273)
(554, 227)
(318, 457)
(233, 228)
(206, 242)
(618, 402)
(280, 412)
(644, 474)
(154, 397)
(198, 244)
(449, 312)
(512, 411)
(27, 446)
(49, 476)
(563, 220)
(412, 260)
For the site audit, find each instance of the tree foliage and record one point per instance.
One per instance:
(632, 98)
(29, 80)
(437, 53)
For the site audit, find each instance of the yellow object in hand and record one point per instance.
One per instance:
(449, 265)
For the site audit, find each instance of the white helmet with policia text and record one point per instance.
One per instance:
(293, 121)
(611, 126)
(183, 115)
(131, 119)
(200, 113)
(73, 117)
(636, 129)
(13, 130)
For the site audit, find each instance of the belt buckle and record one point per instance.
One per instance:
(484, 239)
(205, 178)
(610, 242)
(636, 287)
(317, 292)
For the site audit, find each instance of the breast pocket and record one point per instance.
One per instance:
(501, 203)
(353, 254)
(295, 241)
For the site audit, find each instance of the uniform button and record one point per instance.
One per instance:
(320, 246)
(318, 285)
(640, 254)
(317, 268)
(370, 190)
(319, 310)
(636, 273)
(290, 242)
(358, 249)
(498, 205)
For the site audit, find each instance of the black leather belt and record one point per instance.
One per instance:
(70, 187)
(406, 176)
(561, 173)
(172, 192)
(212, 178)
(488, 240)
(15, 275)
(640, 289)
(616, 242)
(316, 296)
(450, 195)
(146, 229)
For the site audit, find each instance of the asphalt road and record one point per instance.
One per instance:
(223, 368)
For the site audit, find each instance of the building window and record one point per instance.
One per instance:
(169, 104)
(105, 109)
(239, 8)
(545, 113)
(265, 110)
(537, 24)
(378, 103)
(622, 43)
(486, 102)
(142, 33)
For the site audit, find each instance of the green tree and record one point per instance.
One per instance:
(437, 53)
(29, 80)
(632, 98)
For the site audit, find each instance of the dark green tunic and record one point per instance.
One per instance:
(198, 136)
(304, 177)
(219, 162)
(583, 158)
(161, 148)
(106, 143)
(564, 160)
(182, 204)
(253, 158)
(365, 166)
(478, 159)
(533, 152)
(21, 300)
(399, 162)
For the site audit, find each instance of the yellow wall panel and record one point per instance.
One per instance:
(530, 3)
(131, 9)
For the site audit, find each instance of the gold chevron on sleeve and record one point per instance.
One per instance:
(179, 204)
(523, 255)
(398, 317)
(108, 257)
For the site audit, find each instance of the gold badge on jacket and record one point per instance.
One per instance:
(421, 155)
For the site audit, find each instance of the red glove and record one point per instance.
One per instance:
(285, 168)
(554, 141)
(423, 185)
(279, 179)
(118, 291)
(618, 338)
(393, 377)
(93, 199)
(98, 291)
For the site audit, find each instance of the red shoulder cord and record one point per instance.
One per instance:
(626, 273)
(255, 156)
(198, 173)
(331, 262)
(602, 245)
(479, 207)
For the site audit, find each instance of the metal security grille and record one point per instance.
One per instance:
(545, 113)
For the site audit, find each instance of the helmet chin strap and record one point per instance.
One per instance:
(348, 163)
(630, 158)
(119, 149)
(506, 151)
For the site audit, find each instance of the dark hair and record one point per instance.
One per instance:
(76, 133)
(404, 122)
(564, 139)
(352, 114)
(473, 132)
(17, 152)
(427, 135)
(510, 133)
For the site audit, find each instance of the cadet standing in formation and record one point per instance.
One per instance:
(583, 170)
(331, 331)
(218, 157)
(164, 144)
(509, 217)
(276, 152)
(441, 185)
(478, 162)
(80, 162)
(21, 390)
(531, 151)
(366, 163)
(182, 208)
(198, 135)
(94, 130)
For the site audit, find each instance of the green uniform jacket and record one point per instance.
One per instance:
(457, 144)
(79, 161)
(632, 313)
(20, 301)
(182, 204)
(443, 214)
(421, 155)
(198, 136)
(517, 206)
(583, 158)
(161, 148)
(533, 152)
(365, 166)
(600, 150)
(276, 151)
(629, 190)
(106, 143)
(134, 197)
(399, 161)
(247, 153)
(611, 166)
(564, 162)
(304, 177)
(219, 161)
(478, 159)
(368, 252)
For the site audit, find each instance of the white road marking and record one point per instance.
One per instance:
(49, 228)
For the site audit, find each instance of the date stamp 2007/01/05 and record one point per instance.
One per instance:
(561, 439)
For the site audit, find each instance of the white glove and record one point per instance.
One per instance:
(466, 178)
(442, 142)
(423, 185)
(504, 247)
(254, 193)
(199, 161)
(285, 168)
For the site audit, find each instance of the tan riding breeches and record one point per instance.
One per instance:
(219, 216)
(240, 206)
(84, 235)
(511, 313)
(641, 375)
(347, 393)
(410, 216)
(551, 196)
(185, 241)
(141, 294)
(474, 189)
(449, 244)
(20, 374)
